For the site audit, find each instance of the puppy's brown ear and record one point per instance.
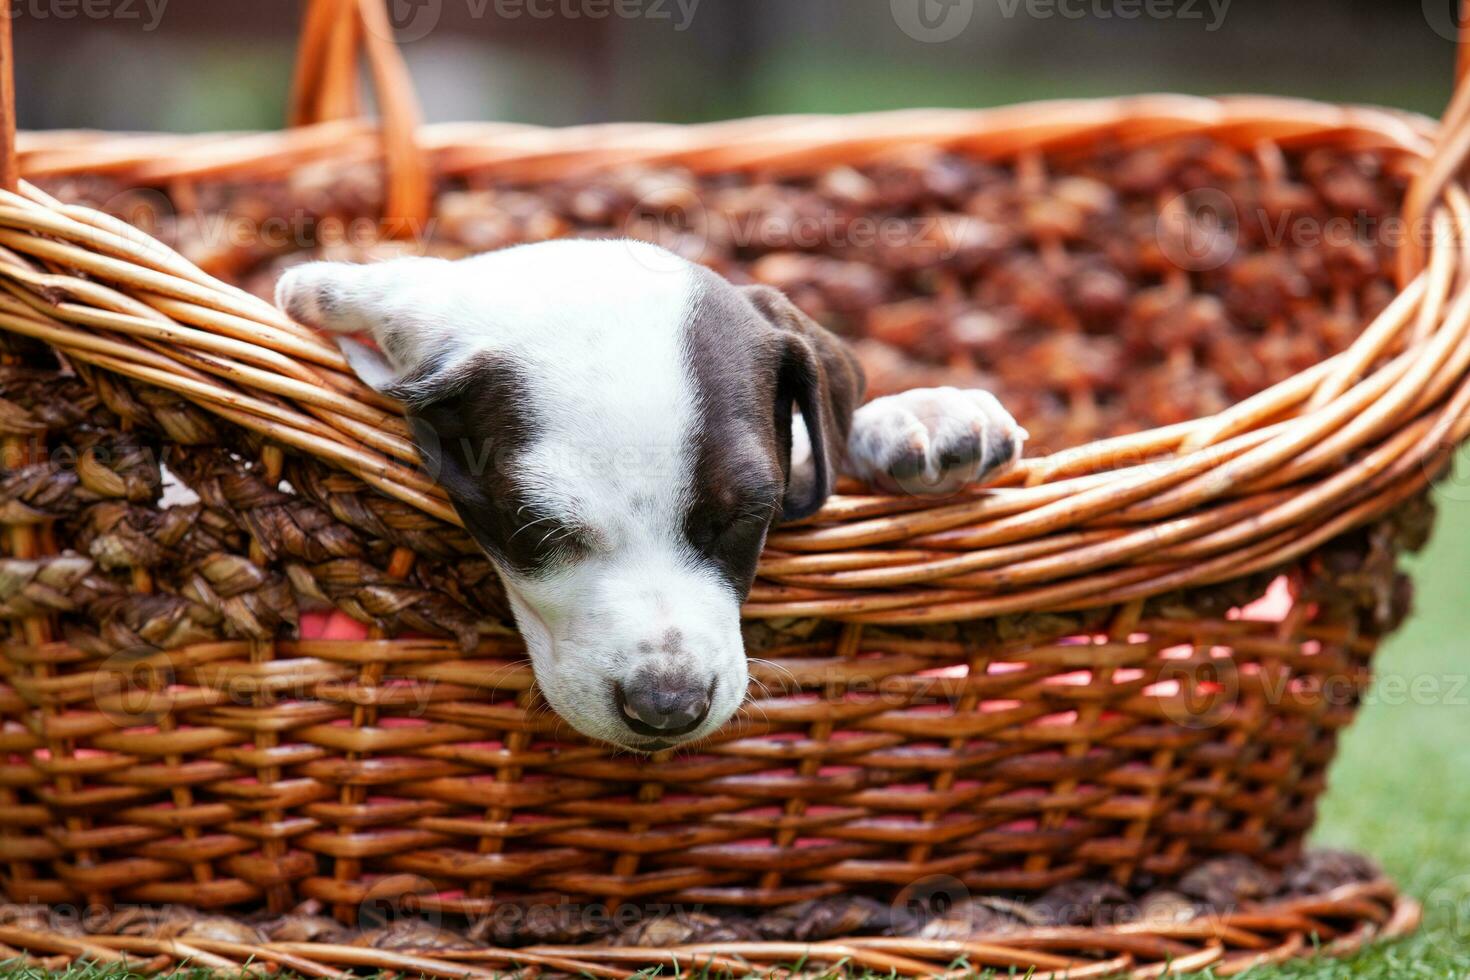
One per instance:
(819, 375)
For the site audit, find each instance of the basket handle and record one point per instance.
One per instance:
(1451, 151)
(1462, 45)
(9, 165)
(325, 88)
(334, 33)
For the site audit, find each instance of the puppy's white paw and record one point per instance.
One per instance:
(932, 441)
(313, 294)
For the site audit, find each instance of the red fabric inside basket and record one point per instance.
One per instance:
(334, 625)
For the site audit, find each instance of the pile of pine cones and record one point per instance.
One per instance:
(1095, 294)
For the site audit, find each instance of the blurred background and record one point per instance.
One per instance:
(190, 65)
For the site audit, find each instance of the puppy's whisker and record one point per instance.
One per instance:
(765, 512)
(493, 684)
(749, 706)
(539, 520)
(757, 707)
(539, 712)
(779, 668)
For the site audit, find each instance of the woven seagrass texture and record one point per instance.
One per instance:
(1335, 923)
(1059, 676)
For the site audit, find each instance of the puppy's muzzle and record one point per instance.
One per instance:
(659, 705)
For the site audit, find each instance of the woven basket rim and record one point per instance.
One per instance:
(1199, 502)
(775, 142)
(1335, 923)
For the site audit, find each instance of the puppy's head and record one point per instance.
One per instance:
(614, 426)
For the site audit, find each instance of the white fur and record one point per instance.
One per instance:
(598, 329)
(929, 420)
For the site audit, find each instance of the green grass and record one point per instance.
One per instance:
(1400, 789)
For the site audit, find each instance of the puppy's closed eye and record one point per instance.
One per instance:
(734, 512)
(543, 540)
(731, 533)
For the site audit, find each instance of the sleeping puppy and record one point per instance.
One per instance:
(618, 429)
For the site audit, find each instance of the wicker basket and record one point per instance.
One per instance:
(1066, 685)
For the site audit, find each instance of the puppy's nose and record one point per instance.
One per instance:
(663, 705)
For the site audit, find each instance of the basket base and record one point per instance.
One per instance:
(1335, 923)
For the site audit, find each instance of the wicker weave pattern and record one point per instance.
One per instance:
(1199, 503)
(1068, 708)
(1342, 922)
(1014, 755)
